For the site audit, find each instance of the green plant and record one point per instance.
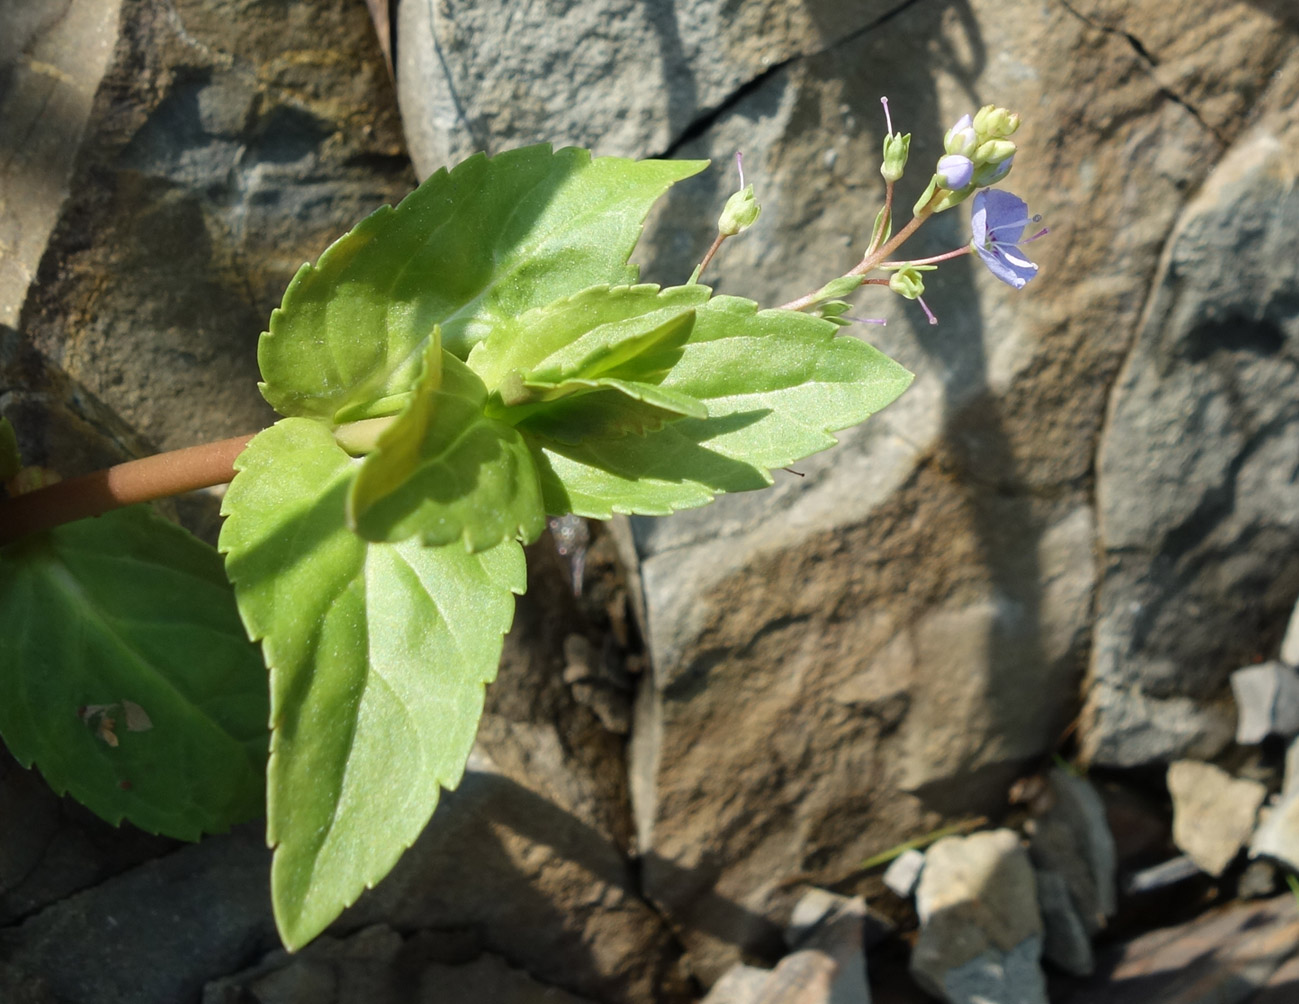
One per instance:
(449, 372)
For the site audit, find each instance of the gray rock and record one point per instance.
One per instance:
(1213, 813)
(980, 927)
(1225, 956)
(548, 891)
(1267, 702)
(1072, 840)
(574, 83)
(1066, 940)
(1277, 836)
(1196, 475)
(827, 967)
(1013, 977)
(219, 159)
(1258, 880)
(1162, 875)
(157, 933)
(902, 876)
(378, 966)
(53, 54)
(740, 984)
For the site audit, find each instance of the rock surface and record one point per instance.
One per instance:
(1244, 952)
(1213, 813)
(1072, 840)
(378, 966)
(980, 930)
(1196, 472)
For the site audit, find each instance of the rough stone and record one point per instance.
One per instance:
(1072, 839)
(229, 144)
(1066, 940)
(460, 95)
(154, 934)
(378, 966)
(1213, 813)
(1222, 957)
(1277, 836)
(1267, 702)
(546, 888)
(740, 984)
(980, 928)
(1196, 473)
(53, 54)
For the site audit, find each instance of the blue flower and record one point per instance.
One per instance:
(998, 223)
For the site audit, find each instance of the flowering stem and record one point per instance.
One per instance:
(929, 261)
(873, 259)
(144, 480)
(708, 257)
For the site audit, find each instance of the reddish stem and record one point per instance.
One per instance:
(709, 256)
(143, 480)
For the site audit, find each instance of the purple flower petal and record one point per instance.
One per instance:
(997, 224)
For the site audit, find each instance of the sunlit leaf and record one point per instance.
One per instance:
(445, 472)
(633, 332)
(488, 240)
(379, 654)
(776, 383)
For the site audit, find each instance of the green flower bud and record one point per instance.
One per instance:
(842, 286)
(994, 151)
(740, 212)
(907, 282)
(991, 122)
(896, 148)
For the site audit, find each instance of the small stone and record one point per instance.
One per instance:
(1267, 702)
(1162, 875)
(980, 927)
(1277, 836)
(1066, 941)
(1257, 881)
(1290, 644)
(1213, 813)
(815, 906)
(904, 873)
(1072, 838)
(740, 984)
(1012, 978)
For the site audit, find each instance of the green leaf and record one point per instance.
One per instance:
(379, 654)
(776, 384)
(634, 332)
(486, 241)
(445, 471)
(127, 677)
(608, 408)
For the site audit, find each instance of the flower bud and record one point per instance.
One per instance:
(962, 138)
(991, 122)
(896, 148)
(990, 174)
(954, 171)
(907, 282)
(740, 212)
(994, 151)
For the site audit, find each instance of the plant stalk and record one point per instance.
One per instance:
(144, 480)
